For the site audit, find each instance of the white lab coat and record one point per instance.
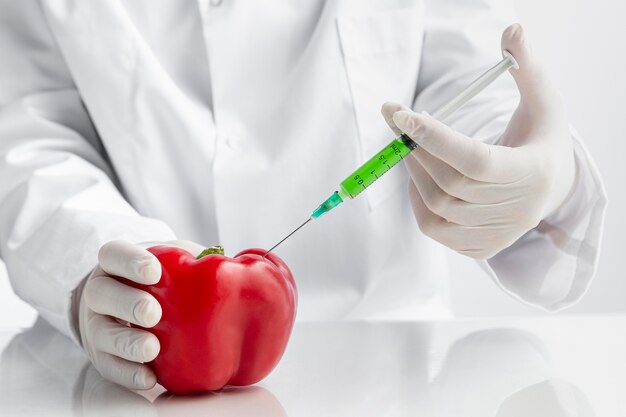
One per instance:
(227, 122)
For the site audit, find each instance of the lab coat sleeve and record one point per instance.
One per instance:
(59, 197)
(552, 265)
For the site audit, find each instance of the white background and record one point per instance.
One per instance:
(583, 45)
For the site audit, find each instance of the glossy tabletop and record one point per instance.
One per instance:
(553, 366)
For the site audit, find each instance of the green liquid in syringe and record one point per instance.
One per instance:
(380, 163)
(368, 173)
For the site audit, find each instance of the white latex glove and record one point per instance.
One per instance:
(116, 350)
(477, 198)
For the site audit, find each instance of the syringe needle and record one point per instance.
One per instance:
(287, 237)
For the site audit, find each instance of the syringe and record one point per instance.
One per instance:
(400, 147)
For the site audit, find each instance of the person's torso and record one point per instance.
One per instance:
(233, 122)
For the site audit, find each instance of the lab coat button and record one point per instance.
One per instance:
(233, 143)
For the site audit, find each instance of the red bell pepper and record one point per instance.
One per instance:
(226, 321)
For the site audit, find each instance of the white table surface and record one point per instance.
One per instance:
(552, 366)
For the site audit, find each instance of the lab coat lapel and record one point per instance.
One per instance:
(97, 41)
(139, 110)
(135, 102)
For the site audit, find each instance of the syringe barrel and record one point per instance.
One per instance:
(475, 87)
(377, 166)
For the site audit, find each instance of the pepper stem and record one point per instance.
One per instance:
(219, 250)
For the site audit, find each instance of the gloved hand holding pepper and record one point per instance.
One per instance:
(199, 319)
(117, 351)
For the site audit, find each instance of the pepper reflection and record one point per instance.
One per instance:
(43, 373)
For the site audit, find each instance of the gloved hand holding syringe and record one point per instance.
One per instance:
(400, 147)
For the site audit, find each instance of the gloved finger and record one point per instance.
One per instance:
(106, 295)
(106, 335)
(472, 158)
(535, 89)
(388, 110)
(428, 222)
(488, 242)
(127, 260)
(444, 205)
(475, 240)
(450, 180)
(132, 375)
(460, 186)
